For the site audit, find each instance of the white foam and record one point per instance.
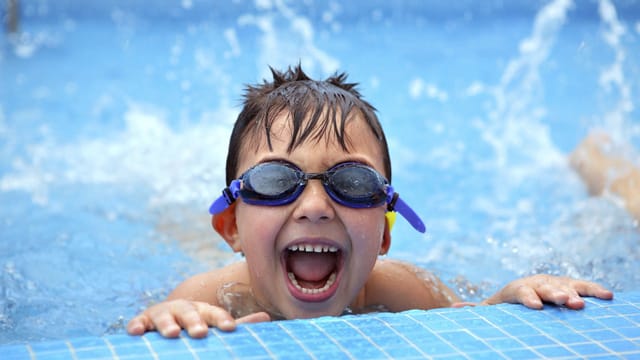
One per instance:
(177, 165)
(277, 21)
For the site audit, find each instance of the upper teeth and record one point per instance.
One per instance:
(312, 248)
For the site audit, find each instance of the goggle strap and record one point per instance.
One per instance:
(229, 195)
(408, 213)
(394, 203)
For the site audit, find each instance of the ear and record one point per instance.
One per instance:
(386, 237)
(225, 224)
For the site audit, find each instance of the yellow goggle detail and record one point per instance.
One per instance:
(391, 218)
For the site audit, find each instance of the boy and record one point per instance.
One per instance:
(308, 176)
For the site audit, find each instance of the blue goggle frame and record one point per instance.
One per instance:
(350, 184)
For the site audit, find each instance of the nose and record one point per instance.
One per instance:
(314, 204)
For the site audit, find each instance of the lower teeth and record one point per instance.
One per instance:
(327, 285)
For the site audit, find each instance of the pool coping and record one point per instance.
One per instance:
(603, 329)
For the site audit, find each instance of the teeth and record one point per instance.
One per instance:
(327, 285)
(313, 248)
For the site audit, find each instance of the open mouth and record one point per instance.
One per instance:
(312, 270)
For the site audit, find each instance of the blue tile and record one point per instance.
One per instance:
(621, 346)
(285, 348)
(183, 355)
(504, 343)
(520, 354)
(336, 355)
(168, 345)
(315, 347)
(488, 355)
(598, 312)
(379, 332)
(403, 353)
(87, 342)
(93, 353)
(11, 352)
(569, 337)
(132, 349)
(366, 352)
(211, 342)
(435, 347)
(443, 325)
(274, 336)
(553, 327)
(520, 330)
(635, 318)
(587, 349)
(423, 335)
(615, 322)
(625, 309)
(251, 351)
(630, 332)
(601, 335)
(487, 333)
(117, 340)
(49, 346)
(554, 351)
(536, 340)
(215, 354)
(240, 341)
(464, 341)
(584, 324)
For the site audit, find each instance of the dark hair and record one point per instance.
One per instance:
(318, 110)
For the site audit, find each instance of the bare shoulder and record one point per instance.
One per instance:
(401, 286)
(204, 286)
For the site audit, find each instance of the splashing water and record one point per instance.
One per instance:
(108, 164)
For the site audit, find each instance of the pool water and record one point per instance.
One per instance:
(115, 115)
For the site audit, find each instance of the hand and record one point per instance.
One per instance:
(170, 317)
(534, 290)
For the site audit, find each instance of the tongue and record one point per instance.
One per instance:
(308, 266)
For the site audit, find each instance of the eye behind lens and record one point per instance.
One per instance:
(358, 186)
(270, 181)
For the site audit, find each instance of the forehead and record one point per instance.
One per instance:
(329, 139)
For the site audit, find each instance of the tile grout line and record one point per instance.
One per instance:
(31, 353)
(111, 348)
(151, 349)
(264, 346)
(71, 350)
(191, 350)
(344, 350)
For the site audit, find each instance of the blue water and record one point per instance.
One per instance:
(114, 118)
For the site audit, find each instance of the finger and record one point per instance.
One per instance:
(462, 304)
(556, 294)
(587, 288)
(254, 318)
(139, 325)
(166, 325)
(164, 320)
(216, 316)
(528, 297)
(190, 318)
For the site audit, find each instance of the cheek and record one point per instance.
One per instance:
(367, 229)
(257, 229)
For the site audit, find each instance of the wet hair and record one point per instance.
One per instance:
(318, 110)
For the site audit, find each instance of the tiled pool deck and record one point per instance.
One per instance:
(604, 329)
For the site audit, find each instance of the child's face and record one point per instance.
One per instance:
(267, 233)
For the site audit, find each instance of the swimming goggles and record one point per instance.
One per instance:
(351, 184)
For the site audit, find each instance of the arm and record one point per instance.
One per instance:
(400, 286)
(194, 306)
(602, 171)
